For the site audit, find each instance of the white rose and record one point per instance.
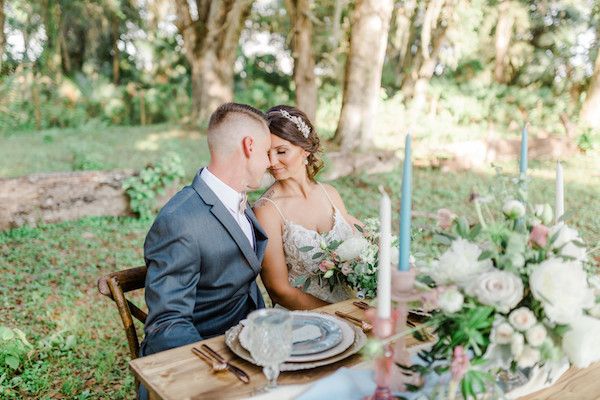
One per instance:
(513, 209)
(536, 335)
(459, 263)
(594, 282)
(528, 357)
(451, 300)
(564, 242)
(562, 288)
(517, 344)
(502, 333)
(500, 289)
(582, 342)
(522, 319)
(572, 250)
(369, 254)
(352, 248)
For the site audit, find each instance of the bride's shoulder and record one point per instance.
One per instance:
(333, 194)
(266, 205)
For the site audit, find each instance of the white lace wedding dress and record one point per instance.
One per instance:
(302, 264)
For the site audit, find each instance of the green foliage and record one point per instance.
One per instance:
(262, 83)
(143, 188)
(85, 162)
(14, 350)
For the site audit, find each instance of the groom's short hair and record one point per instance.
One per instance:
(225, 121)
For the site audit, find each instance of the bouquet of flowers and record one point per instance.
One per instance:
(352, 262)
(512, 293)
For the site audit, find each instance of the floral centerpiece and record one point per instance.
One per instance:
(352, 262)
(513, 293)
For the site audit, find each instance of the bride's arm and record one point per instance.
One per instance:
(274, 273)
(339, 203)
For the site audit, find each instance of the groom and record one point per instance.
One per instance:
(205, 248)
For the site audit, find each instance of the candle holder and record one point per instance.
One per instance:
(383, 329)
(388, 375)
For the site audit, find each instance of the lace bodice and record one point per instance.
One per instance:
(300, 263)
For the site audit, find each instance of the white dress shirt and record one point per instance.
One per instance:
(231, 199)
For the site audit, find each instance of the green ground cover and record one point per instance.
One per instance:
(49, 273)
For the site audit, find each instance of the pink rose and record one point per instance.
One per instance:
(346, 269)
(445, 218)
(539, 235)
(326, 265)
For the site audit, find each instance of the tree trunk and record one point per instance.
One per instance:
(304, 60)
(2, 37)
(115, 49)
(402, 36)
(362, 78)
(336, 30)
(438, 16)
(64, 51)
(590, 111)
(210, 44)
(52, 51)
(503, 35)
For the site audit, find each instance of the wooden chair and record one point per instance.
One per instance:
(114, 286)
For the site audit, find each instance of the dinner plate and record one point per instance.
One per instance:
(313, 333)
(358, 341)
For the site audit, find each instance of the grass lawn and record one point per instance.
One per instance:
(49, 273)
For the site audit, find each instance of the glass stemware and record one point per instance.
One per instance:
(270, 341)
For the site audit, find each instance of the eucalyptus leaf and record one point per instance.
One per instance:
(306, 284)
(305, 249)
(318, 255)
(443, 239)
(485, 255)
(300, 280)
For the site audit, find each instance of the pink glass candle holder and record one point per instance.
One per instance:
(384, 328)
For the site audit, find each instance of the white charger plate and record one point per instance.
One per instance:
(345, 340)
(233, 342)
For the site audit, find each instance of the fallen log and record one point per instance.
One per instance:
(53, 197)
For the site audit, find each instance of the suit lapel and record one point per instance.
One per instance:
(226, 219)
(259, 234)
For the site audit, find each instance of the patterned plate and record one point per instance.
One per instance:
(358, 340)
(323, 333)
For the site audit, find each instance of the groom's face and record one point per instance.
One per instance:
(259, 159)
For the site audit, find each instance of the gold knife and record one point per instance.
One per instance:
(238, 372)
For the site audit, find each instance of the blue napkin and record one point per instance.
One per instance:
(355, 384)
(345, 383)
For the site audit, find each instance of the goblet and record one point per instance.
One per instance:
(270, 341)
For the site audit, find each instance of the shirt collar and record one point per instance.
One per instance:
(228, 196)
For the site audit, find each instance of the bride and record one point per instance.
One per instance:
(297, 211)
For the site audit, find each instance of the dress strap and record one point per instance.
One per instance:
(276, 207)
(327, 194)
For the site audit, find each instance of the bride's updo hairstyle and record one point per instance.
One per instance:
(293, 125)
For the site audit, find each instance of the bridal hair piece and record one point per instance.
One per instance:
(298, 121)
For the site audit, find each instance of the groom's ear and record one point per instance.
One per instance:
(248, 146)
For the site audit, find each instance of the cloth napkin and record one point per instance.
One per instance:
(346, 383)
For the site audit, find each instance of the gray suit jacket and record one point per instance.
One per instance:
(201, 270)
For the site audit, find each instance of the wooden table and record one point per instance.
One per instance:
(178, 374)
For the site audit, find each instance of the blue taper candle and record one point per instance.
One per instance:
(405, 208)
(523, 161)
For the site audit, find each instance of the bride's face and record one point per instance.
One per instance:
(287, 159)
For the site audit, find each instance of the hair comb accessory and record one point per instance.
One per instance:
(299, 122)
